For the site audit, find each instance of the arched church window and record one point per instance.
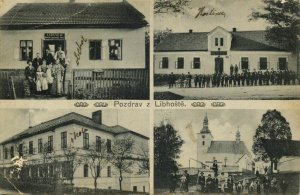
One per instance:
(203, 143)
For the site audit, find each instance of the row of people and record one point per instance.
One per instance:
(255, 78)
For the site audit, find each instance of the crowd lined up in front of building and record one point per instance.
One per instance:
(46, 75)
(219, 183)
(234, 79)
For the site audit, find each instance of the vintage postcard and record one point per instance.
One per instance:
(226, 49)
(74, 49)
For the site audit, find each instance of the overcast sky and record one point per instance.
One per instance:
(13, 121)
(142, 5)
(236, 15)
(223, 125)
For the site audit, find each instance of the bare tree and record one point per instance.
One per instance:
(73, 161)
(121, 157)
(143, 160)
(97, 159)
(170, 6)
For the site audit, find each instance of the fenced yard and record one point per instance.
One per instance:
(86, 84)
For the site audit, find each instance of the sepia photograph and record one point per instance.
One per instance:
(81, 151)
(228, 151)
(74, 49)
(229, 50)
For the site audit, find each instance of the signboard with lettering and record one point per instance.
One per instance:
(218, 53)
(54, 36)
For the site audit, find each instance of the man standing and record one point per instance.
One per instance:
(236, 69)
(48, 57)
(231, 70)
(230, 184)
(171, 80)
(189, 78)
(201, 181)
(209, 184)
(186, 184)
(37, 61)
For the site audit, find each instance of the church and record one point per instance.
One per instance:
(232, 157)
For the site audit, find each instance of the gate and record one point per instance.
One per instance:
(111, 84)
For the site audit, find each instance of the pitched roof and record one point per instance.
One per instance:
(198, 41)
(72, 15)
(292, 147)
(120, 130)
(71, 118)
(228, 147)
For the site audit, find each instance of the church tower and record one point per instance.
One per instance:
(204, 140)
(238, 136)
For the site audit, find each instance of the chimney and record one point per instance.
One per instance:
(97, 117)
(233, 29)
(191, 31)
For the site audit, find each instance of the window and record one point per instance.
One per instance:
(108, 145)
(216, 42)
(244, 63)
(51, 170)
(5, 153)
(40, 169)
(196, 63)
(31, 147)
(40, 145)
(282, 64)
(203, 143)
(203, 136)
(50, 143)
(12, 152)
(165, 63)
(20, 150)
(180, 63)
(66, 168)
(85, 141)
(263, 63)
(85, 170)
(115, 49)
(134, 188)
(64, 139)
(25, 49)
(108, 171)
(98, 171)
(221, 41)
(98, 143)
(95, 50)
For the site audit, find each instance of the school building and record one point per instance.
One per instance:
(217, 50)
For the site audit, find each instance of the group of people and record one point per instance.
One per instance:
(222, 184)
(234, 79)
(46, 75)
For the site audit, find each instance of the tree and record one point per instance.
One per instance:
(73, 161)
(160, 35)
(121, 156)
(143, 161)
(283, 17)
(273, 127)
(170, 6)
(97, 158)
(167, 144)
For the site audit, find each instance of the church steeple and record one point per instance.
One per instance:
(205, 128)
(238, 135)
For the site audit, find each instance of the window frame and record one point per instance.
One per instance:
(108, 145)
(121, 49)
(98, 143)
(40, 145)
(30, 147)
(177, 65)
(50, 144)
(286, 63)
(108, 171)
(28, 54)
(243, 61)
(12, 151)
(260, 63)
(163, 61)
(64, 139)
(20, 150)
(194, 62)
(85, 170)
(6, 153)
(86, 144)
(216, 41)
(221, 41)
(95, 40)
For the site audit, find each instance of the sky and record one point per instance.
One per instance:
(236, 16)
(142, 5)
(223, 125)
(13, 121)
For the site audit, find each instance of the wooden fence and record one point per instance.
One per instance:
(111, 84)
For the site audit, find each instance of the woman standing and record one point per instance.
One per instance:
(58, 73)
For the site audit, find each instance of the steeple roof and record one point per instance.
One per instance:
(205, 128)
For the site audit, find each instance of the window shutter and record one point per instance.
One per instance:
(176, 64)
(160, 64)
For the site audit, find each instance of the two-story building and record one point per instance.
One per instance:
(43, 143)
(217, 50)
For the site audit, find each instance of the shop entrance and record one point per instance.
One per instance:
(53, 45)
(219, 65)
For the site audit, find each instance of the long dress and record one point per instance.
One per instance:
(58, 72)
(39, 77)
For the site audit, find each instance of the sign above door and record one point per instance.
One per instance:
(54, 36)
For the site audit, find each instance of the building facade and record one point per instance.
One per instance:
(93, 35)
(231, 156)
(43, 143)
(217, 50)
